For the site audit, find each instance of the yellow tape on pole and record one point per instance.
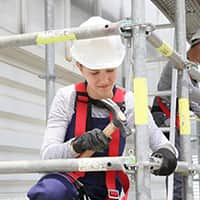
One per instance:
(53, 37)
(165, 49)
(197, 119)
(140, 101)
(184, 116)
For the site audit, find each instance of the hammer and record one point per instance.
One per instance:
(118, 121)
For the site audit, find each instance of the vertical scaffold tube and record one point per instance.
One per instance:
(183, 96)
(141, 115)
(50, 56)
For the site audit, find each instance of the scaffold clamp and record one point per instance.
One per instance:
(126, 28)
(130, 164)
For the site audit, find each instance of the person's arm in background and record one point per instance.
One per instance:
(166, 78)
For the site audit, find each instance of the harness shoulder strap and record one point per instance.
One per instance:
(114, 151)
(165, 109)
(81, 108)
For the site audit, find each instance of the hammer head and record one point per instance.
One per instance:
(119, 119)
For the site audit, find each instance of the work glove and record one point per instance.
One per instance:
(169, 162)
(94, 140)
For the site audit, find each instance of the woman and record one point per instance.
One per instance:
(76, 121)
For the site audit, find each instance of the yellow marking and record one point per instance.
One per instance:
(197, 119)
(184, 116)
(131, 160)
(141, 101)
(165, 49)
(49, 37)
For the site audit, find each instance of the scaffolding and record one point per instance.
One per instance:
(135, 32)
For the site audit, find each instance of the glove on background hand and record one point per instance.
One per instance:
(91, 140)
(169, 162)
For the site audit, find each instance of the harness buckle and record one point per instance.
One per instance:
(113, 194)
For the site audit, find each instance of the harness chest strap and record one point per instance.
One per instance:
(81, 116)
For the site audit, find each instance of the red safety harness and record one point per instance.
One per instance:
(166, 110)
(80, 128)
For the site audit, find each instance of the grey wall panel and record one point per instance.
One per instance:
(9, 13)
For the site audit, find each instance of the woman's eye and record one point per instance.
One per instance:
(95, 73)
(110, 70)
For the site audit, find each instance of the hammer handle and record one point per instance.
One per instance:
(107, 131)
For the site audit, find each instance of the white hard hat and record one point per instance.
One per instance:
(98, 53)
(195, 38)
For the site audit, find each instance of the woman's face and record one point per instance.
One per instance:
(100, 82)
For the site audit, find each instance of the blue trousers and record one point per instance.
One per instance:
(54, 186)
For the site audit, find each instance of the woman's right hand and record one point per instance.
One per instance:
(94, 140)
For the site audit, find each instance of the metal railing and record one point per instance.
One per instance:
(126, 30)
(124, 163)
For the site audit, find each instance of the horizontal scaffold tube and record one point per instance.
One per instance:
(62, 35)
(74, 164)
(165, 49)
(88, 164)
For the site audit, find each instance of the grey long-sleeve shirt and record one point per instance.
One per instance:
(60, 116)
(165, 84)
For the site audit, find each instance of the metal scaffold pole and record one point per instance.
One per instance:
(198, 143)
(143, 191)
(170, 183)
(183, 98)
(60, 35)
(98, 8)
(49, 56)
(67, 24)
(126, 67)
(88, 165)
(180, 63)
